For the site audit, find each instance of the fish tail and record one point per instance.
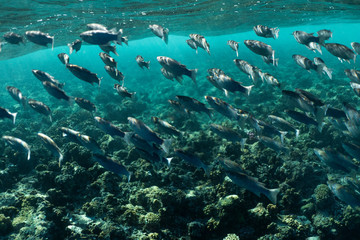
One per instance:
(297, 132)
(248, 89)
(276, 62)
(129, 176)
(125, 40)
(237, 53)
(273, 57)
(119, 37)
(169, 161)
(282, 136)
(193, 73)
(147, 64)
(50, 116)
(52, 43)
(127, 137)
(100, 81)
(272, 195)
(28, 154)
(207, 169)
(13, 117)
(70, 48)
(275, 32)
(320, 126)
(328, 71)
(61, 157)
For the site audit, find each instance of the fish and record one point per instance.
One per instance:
(344, 194)
(335, 113)
(266, 32)
(44, 76)
(84, 74)
(96, 26)
(193, 160)
(309, 40)
(64, 58)
(165, 126)
(192, 104)
(200, 42)
(311, 97)
(71, 134)
(145, 132)
(17, 144)
(153, 158)
(231, 166)
(16, 95)
(40, 38)
(114, 73)
(226, 109)
(342, 52)
(108, 127)
(321, 67)
(300, 117)
(260, 48)
(76, 45)
(109, 48)
(13, 38)
(192, 44)
(270, 60)
(324, 35)
(352, 149)
(101, 37)
(109, 61)
(356, 47)
(51, 145)
(85, 104)
(234, 46)
(178, 107)
(40, 107)
(56, 92)
(353, 75)
(176, 68)
(5, 113)
(356, 87)
(123, 92)
(270, 130)
(304, 62)
(248, 69)
(140, 143)
(251, 184)
(229, 134)
(84, 140)
(283, 124)
(160, 31)
(270, 79)
(170, 75)
(227, 84)
(273, 144)
(140, 61)
(113, 166)
(336, 160)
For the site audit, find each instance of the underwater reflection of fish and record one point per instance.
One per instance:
(18, 145)
(40, 38)
(76, 45)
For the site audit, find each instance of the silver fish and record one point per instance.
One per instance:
(123, 92)
(248, 69)
(200, 42)
(260, 48)
(353, 75)
(109, 48)
(5, 113)
(193, 160)
(228, 133)
(40, 107)
(165, 126)
(114, 73)
(16, 95)
(270, 80)
(309, 40)
(266, 32)
(234, 46)
(336, 160)
(140, 61)
(51, 145)
(344, 194)
(110, 165)
(109, 61)
(76, 45)
(56, 92)
(40, 38)
(108, 127)
(160, 31)
(64, 58)
(275, 145)
(84, 74)
(18, 145)
(193, 105)
(96, 26)
(101, 37)
(44, 76)
(192, 44)
(356, 47)
(283, 124)
(342, 52)
(85, 104)
(13, 38)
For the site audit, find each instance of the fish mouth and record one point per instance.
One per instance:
(159, 58)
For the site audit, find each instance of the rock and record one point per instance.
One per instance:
(5, 225)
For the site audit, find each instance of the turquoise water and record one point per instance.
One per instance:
(80, 199)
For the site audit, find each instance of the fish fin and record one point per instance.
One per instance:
(297, 132)
(196, 50)
(148, 65)
(273, 57)
(237, 53)
(276, 62)
(100, 81)
(52, 43)
(272, 195)
(125, 40)
(207, 169)
(179, 79)
(14, 117)
(320, 126)
(127, 137)
(129, 176)
(119, 37)
(328, 71)
(28, 154)
(226, 92)
(50, 116)
(193, 75)
(166, 145)
(70, 48)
